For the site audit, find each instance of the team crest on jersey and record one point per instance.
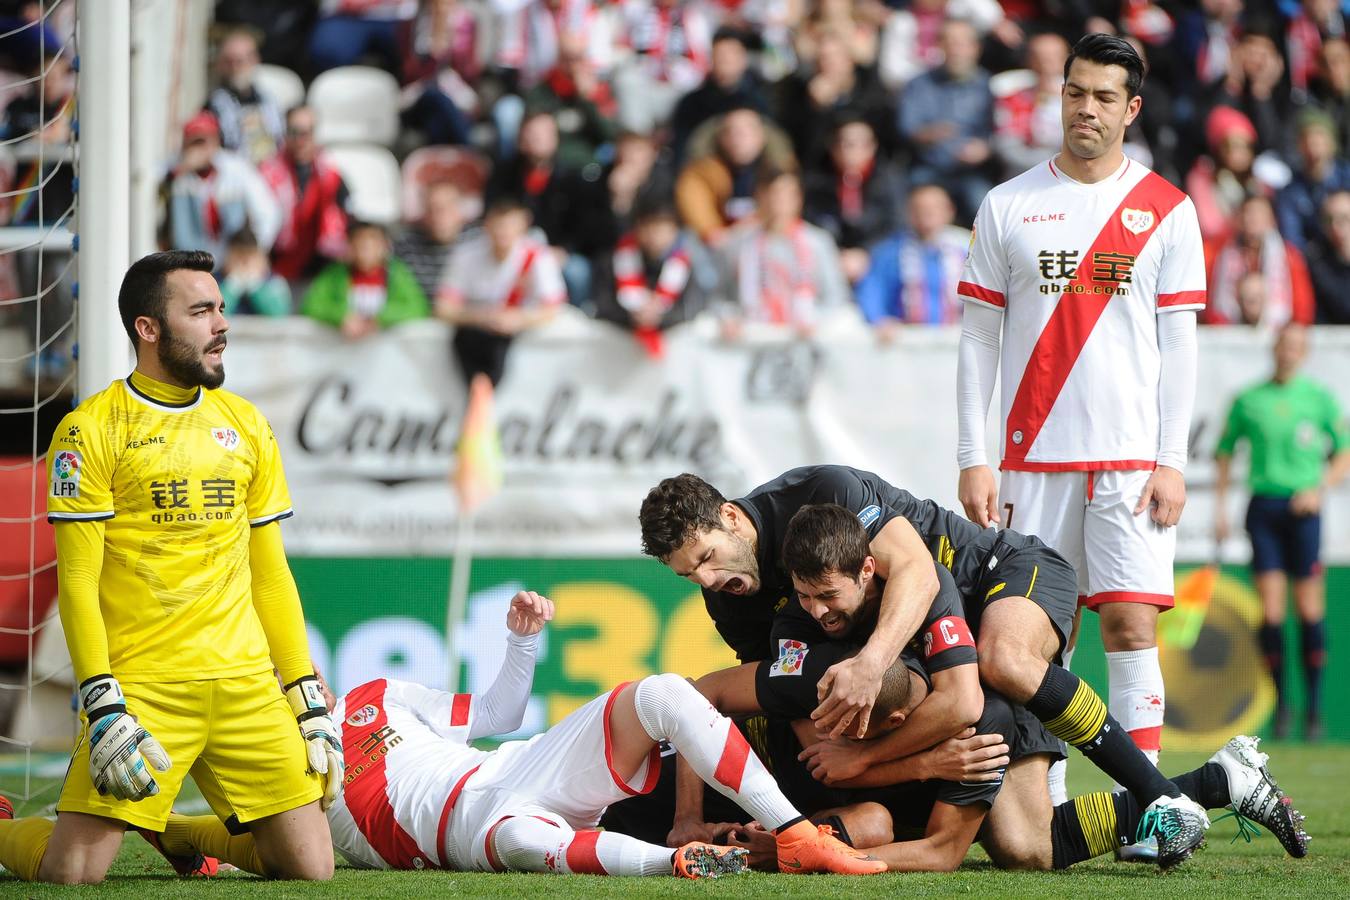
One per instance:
(66, 474)
(791, 655)
(1136, 221)
(226, 437)
(363, 716)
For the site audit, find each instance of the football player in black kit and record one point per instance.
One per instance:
(1020, 597)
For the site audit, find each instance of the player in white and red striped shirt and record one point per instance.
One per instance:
(417, 795)
(1083, 280)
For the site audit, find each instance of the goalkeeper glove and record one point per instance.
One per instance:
(118, 746)
(321, 740)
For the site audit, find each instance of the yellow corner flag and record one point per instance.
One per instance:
(477, 475)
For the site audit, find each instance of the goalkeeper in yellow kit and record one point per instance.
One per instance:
(177, 605)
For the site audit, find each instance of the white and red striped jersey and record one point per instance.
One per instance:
(1081, 272)
(408, 756)
(528, 277)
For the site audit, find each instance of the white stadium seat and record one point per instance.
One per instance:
(282, 85)
(1005, 84)
(355, 105)
(467, 168)
(373, 179)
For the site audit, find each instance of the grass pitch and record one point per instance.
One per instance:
(1316, 777)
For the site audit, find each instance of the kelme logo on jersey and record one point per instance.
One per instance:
(66, 474)
(1137, 221)
(226, 437)
(869, 515)
(363, 716)
(791, 655)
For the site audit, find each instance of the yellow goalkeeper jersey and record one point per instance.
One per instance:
(179, 486)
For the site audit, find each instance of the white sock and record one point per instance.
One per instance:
(670, 709)
(1137, 698)
(1059, 771)
(531, 844)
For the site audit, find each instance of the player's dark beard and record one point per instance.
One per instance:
(181, 359)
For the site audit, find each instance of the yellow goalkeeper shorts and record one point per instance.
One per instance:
(237, 738)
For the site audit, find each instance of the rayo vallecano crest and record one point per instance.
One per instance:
(1136, 220)
(226, 437)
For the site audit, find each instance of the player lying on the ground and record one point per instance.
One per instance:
(418, 796)
(1022, 592)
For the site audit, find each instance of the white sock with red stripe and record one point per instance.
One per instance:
(670, 709)
(1136, 697)
(531, 844)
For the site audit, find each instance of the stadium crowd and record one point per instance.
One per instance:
(766, 160)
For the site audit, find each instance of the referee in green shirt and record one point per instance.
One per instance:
(1292, 426)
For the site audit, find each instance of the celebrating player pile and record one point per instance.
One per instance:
(177, 605)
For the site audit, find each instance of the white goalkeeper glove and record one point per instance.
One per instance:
(118, 746)
(321, 741)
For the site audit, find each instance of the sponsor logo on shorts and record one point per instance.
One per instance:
(66, 474)
(869, 515)
(363, 716)
(791, 655)
(226, 437)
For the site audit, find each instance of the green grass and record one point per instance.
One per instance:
(1315, 777)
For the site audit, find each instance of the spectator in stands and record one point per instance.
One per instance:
(670, 41)
(582, 106)
(210, 193)
(809, 102)
(656, 276)
(1304, 36)
(441, 65)
(499, 282)
(1322, 172)
(40, 182)
(350, 30)
(779, 269)
(1331, 87)
(1207, 39)
(1251, 301)
(247, 284)
(1299, 450)
(1255, 85)
(1027, 125)
(914, 272)
(313, 201)
(529, 34)
(1219, 182)
(1329, 261)
(947, 113)
(910, 43)
(425, 246)
(856, 23)
(251, 123)
(565, 204)
(731, 84)
(716, 190)
(638, 172)
(368, 291)
(1256, 246)
(856, 195)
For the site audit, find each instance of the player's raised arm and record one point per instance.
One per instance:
(501, 708)
(849, 688)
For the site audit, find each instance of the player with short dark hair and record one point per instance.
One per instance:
(1081, 287)
(178, 604)
(738, 565)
